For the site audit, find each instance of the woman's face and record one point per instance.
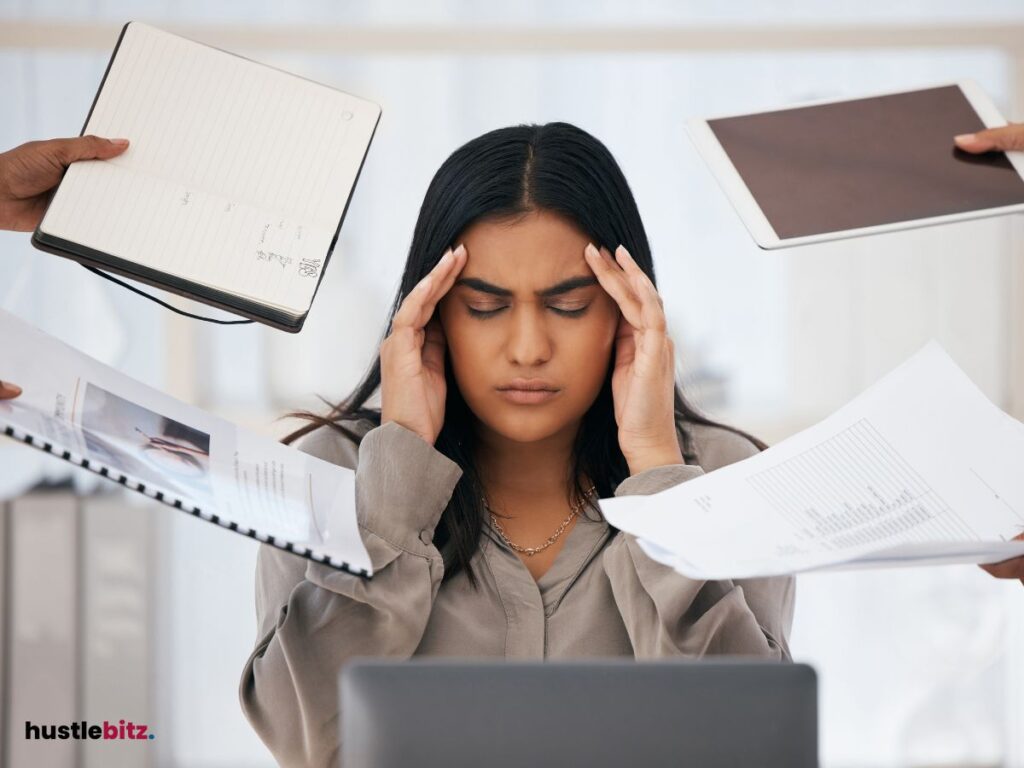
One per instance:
(527, 306)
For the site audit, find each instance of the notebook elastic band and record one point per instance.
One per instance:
(133, 289)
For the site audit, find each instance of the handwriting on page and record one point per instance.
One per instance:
(279, 243)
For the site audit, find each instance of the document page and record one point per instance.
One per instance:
(83, 411)
(921, 468)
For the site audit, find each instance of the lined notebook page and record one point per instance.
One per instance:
(236, 176)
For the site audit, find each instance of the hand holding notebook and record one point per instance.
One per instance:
(235, 184)
(31, 171)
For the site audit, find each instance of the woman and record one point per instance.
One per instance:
(525, 373)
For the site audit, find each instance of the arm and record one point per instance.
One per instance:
(313, 618)
(668, 614)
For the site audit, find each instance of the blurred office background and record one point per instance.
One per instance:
(119, 608)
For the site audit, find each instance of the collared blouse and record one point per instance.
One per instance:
(602, 595)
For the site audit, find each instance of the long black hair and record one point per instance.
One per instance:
(507, 173)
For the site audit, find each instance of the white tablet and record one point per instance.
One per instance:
(838, 169)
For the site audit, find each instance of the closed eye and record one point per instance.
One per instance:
(484, 313)
(569, 312)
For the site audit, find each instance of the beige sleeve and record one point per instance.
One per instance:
(668, 614)
(312, 618)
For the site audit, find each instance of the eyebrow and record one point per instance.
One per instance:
(565, 286)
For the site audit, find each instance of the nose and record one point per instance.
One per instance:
(528, 343)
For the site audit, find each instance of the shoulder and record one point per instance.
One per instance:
(718, 446)
(331, 444)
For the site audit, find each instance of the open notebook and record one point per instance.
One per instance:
(235, 184)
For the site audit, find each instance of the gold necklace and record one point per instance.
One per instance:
(531, 551)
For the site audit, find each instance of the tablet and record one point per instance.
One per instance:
(838, 169)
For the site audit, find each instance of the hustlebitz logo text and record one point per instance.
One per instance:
(122, 730)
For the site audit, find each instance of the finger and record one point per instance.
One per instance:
(434, 345)
(459, 256)
(613, 280)
(88, 147)
(442, 285)
(1008, 569)
(7, 390)
(1005, 139)
(651, 304)
(625, 343)
(418, 305)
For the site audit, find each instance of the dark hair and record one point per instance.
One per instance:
(505, 173)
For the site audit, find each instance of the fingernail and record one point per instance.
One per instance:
(11, 390)
(591, 251)
(447, 256)
(461, 249)
(119, 142)
(624, 252)
(965, 137)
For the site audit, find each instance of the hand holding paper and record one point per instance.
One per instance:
(82, 411)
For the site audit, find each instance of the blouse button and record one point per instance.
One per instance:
(425, 536)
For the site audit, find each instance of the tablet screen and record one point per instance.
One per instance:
(866, 162)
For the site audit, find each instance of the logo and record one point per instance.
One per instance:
(123, 730)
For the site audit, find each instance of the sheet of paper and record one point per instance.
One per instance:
(236, 176)
(174, 450)
(921, 468)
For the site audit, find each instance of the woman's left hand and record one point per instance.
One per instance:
(643, 381)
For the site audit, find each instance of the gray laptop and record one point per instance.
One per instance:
(580, 713)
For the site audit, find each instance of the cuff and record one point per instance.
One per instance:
(403, 484)
(657, 479)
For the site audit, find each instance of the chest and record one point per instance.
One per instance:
(569, 613)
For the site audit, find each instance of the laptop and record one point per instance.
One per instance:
(726, 712)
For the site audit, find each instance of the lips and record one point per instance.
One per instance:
(528, 391)
(529, 385)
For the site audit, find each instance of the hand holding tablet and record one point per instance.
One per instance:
(1005, 139)
(840, 169)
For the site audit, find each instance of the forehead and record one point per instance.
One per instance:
(525, 253)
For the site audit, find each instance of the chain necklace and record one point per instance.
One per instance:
(531, 551)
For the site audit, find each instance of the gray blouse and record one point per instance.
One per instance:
(602, 596)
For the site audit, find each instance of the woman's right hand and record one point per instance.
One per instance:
(413, 387)
(8, 390)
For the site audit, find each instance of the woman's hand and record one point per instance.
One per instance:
(643, 380)
(412, 379)
(8, 390)
(29, 171)
(1008, 569)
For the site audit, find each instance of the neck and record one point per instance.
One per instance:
(519, 471)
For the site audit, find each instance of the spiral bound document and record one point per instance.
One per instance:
(89, 414)
(233, 188)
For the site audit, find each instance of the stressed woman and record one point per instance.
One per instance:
(526, 372)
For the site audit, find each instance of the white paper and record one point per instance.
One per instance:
(236, 176)
(175, 450)
(919, 469)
